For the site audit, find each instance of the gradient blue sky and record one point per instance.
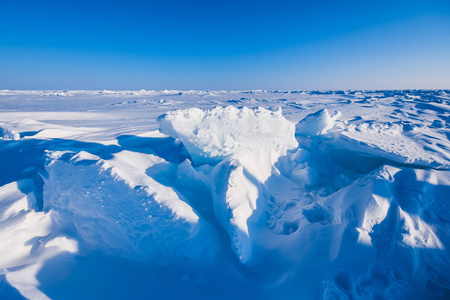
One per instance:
(355, 44)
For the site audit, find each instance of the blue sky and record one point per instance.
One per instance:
(224, 44)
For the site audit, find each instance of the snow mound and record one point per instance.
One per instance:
(116, 206)
(8, 134)
(394, 215)
(317, 123)
(247, 143)
(212, 135)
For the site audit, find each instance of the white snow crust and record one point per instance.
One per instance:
(211, 135)
(225, 194)
(317, 123)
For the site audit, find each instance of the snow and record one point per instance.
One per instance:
(317, 123)
(225, 194)
(212, 135)
(133, 215)
(8, 134)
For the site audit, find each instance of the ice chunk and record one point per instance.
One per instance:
(212, 135)
(316, 123)
(8, 134)
(249, 142)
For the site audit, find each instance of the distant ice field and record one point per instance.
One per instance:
(225, 194)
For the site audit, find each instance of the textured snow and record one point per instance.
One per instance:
(316, 123)
(247, 143)
(211, 135)
(8, 134)
(115, 206)
(225, 194)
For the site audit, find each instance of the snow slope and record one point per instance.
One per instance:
(225, 194)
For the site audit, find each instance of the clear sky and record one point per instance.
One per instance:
(168, 44)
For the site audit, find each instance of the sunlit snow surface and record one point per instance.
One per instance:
(224, 195)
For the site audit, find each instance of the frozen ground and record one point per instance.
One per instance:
(224, 195)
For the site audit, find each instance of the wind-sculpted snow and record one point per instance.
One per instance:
(8, 134)
(246, 143)
(225, 195)
(212, 135)
(317, 123)
(114, 205)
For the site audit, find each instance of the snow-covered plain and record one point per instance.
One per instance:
(225, 194)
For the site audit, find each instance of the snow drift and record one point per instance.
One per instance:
(225, 201)
(115, 206)
(247, 143)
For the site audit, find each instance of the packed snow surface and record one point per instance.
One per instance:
(225, 194)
